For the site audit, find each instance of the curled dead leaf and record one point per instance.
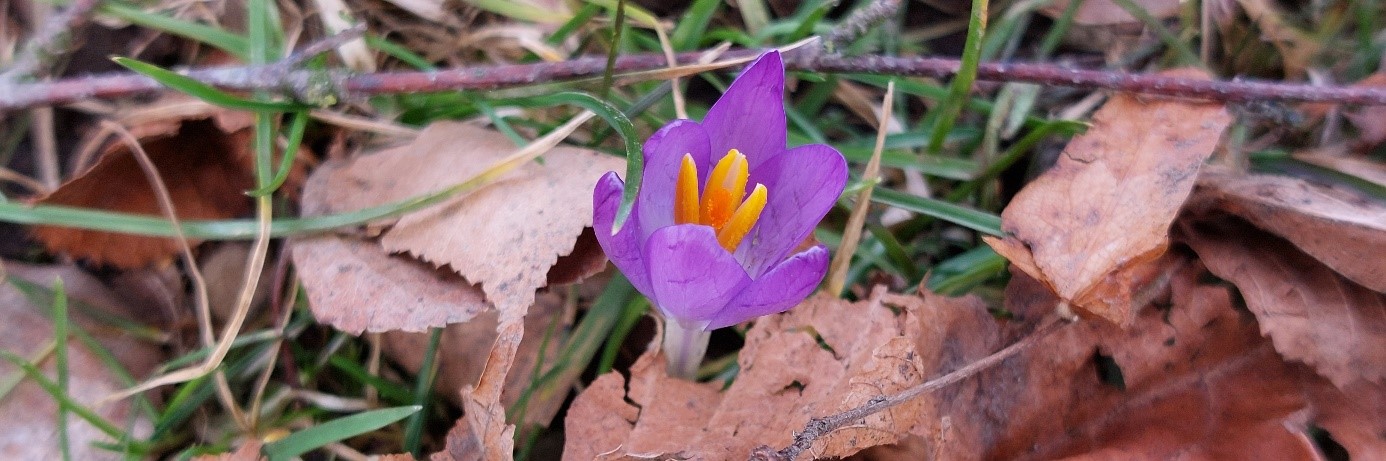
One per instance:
(205, 160)
(1310, 313)
(1333, 224)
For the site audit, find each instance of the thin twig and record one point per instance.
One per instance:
(51, 41)
(859, 23)
(347, 86)
(820, 427)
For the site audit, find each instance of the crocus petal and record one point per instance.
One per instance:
(804, 183)
(663, 152)
(623, 249)
(692, 276)
(750, 116)
(778, 290)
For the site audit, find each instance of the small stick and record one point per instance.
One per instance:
(820, 427)
(859, 22)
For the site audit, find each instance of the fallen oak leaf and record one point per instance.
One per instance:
(1090, 226)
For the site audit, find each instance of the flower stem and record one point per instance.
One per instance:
(685, 347)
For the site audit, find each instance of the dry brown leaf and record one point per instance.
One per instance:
(1198, 382)
(28, 414)
(1334, 224)
(1353, 416)
(787, 378)
(1088, 224)
(204, 156)
(484, 413)
(1311, 313)
(1104, 12)
(355, 286)
(505, 236)
(604, 419)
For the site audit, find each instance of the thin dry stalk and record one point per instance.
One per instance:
(851, 236)
(165, 201)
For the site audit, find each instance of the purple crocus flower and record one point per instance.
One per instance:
(706, 249)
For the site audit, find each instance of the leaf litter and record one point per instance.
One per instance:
(28, 414)
(202, 154)
(1191, 377)
(1091, 225)
(504, 247)
(508, 248)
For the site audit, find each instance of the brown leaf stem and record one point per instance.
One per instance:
(819, 427)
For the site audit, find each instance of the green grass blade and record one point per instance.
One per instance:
(32, 372)
(807, 23)
(226, 41)
(519, 10)
(336, 430)
(692, 26)
(1183, 50)
(960, 273)
(423, 392)
(962, 82)
(201, 90)
(587, 337)
(60, 333)
(286, 161)
(399, 52)
(979, 221)
(580, 18)
(634, 310)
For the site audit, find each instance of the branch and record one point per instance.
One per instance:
(345, 86)
(820, 427)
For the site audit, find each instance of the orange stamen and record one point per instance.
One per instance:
(725, 188)
(686, 192)
(742, 220)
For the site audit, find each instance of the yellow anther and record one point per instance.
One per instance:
(686, 192)
(725, 188)
(742, 220)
